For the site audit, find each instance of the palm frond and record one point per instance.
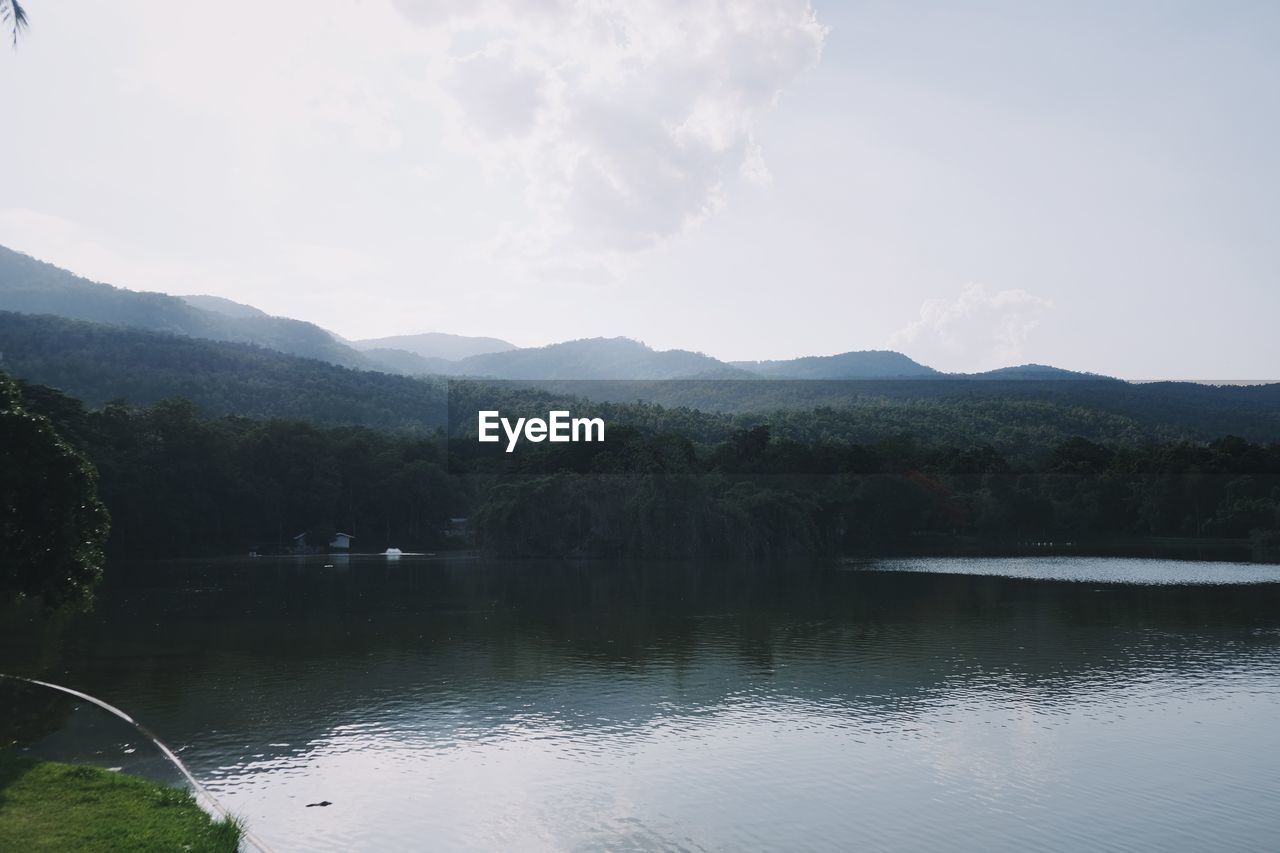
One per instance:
(12, 13)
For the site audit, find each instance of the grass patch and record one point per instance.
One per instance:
(47, 805)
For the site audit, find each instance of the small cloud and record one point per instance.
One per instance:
(754, 168)
(978, 330)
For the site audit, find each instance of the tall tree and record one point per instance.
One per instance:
(52, 526)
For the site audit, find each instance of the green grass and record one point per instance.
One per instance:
(46, 805)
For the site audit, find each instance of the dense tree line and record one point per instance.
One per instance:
(753, 493)
(1018, 410)
(666, 483)
(180, 484)
(1023, 420)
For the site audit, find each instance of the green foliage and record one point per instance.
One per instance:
(750, 495)
(181, 484)
(52, 525)
(46, 805)
(1020, 419)
(666, 483)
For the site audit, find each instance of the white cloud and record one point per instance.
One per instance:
(626, 121)
(498, 96)
(601, 127)
(977, 330)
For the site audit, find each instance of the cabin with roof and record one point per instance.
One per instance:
(339, 542)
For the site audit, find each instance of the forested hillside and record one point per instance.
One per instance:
(97, 363)
(594, 358)
(1014, 415)
(35, 287)
(877, 364)
(222, 305)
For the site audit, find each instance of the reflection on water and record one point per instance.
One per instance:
(1091, 569)
(478, 705)
(45, 723)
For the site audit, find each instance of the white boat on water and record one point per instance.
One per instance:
(393, 552)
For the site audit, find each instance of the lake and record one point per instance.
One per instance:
(994, 705)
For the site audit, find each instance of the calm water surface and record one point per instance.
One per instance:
(1006, 705)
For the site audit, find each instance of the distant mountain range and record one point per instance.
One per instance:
(436, 345)
(35, 287)
(99, 363)
(101, 343)
(595, 358)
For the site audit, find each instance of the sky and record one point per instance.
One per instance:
(1094, 185)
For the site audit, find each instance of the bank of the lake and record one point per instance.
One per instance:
(52, 806)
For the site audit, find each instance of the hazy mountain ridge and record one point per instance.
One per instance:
(1036, 371)
(429, 353)
(35, 287)
(222, 305)
(595, 358)
(32, 286)
(628, 359)
(436, 345)
(98, 363)
(408, 363)
(865, 364)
